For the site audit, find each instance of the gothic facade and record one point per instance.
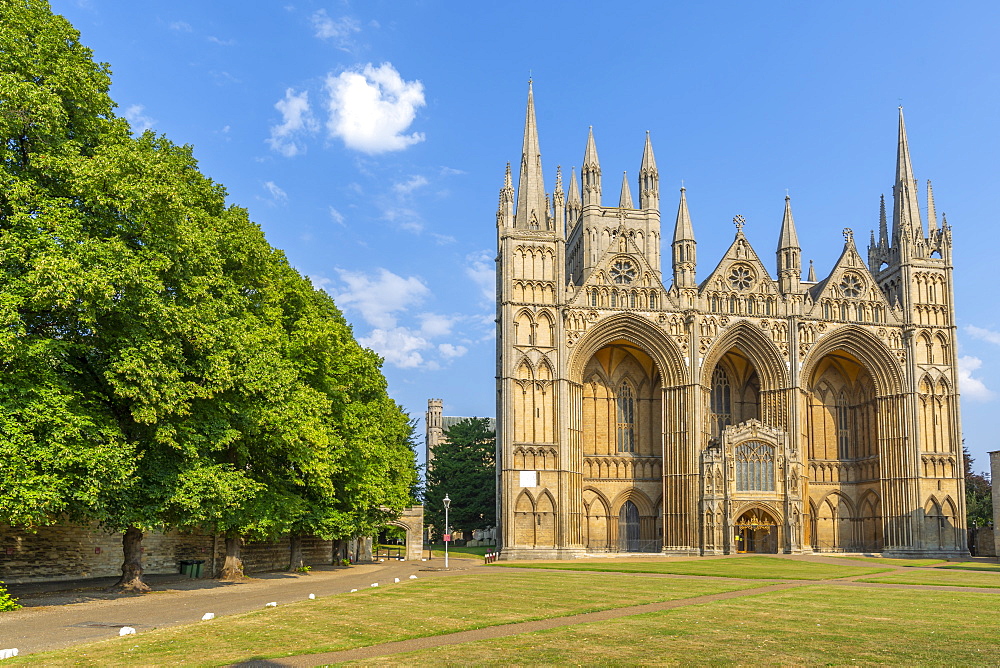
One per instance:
(742, 413)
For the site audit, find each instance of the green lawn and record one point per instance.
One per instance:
(372, 616)
(917, 563)
(973, 566)
(461, 552)
(812, 625)
(755, 568)
(940, 576)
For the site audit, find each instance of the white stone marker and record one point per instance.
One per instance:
(395, 580)
(126, 631)
(374, 584)
(312, 597)
(353, 590)
(413, 577)
(8, 653)
(272, 604)
(207, 616)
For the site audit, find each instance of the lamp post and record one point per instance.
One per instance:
(447, 535)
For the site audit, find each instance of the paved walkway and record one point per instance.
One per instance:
(64, 614)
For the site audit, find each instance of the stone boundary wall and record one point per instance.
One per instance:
(70, 552)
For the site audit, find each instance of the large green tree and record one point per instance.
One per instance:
(163, 366)
(978, 494)
(464, 469)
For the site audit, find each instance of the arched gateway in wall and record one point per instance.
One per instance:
(738, 412)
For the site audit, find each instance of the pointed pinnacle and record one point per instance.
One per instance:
(883, 229)
(590, 154)
(812, 273)
(788, 237)
(625, 201)
(932, 223)
(648, 159)
(574, 188)
(683, 230)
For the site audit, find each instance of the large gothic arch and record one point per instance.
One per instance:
(761, 351)
(639, 332)
(883, 366)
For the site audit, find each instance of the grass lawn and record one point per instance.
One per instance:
(973, 566)
(812, 625)
(372, 616)
(756, 568)
(462, 552)
(916, 563)
(939, 576)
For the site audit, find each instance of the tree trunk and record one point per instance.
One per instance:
(131, 579)
(295, 560)
(232, 567)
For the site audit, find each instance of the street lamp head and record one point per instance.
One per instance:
(447, 502)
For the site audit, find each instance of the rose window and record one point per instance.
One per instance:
(740, 277)
(851, 286)
(622, 272)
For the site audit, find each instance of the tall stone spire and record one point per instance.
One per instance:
(649, 178)
(905, 209)
(531, 207)
(590, 172)
(932, 223)
(625, 201)
(573, 203)
(684, 247)
(789, 254)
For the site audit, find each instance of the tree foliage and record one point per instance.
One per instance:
(464, 469)
(978, 494)
(161, 365)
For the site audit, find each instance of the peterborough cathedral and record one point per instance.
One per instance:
(725, 410)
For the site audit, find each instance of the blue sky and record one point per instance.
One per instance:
(369, 140)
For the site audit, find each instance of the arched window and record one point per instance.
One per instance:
(843, 426)
(614, 299)
(593, 297)
(652, 300)
(721, 401)
(626, 418)
(754, 467)
(631, 300)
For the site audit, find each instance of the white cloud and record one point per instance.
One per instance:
(370, 109)
(378, 298)
(983, 334)
(972, 388)
(482, 270)
(277, 193)
(180, 26)
(398, 345)
(451, 171)
(407, 187)
(404, 217)
(221, 42)
(297, 118)
(139, 121)
(336, 216)
(449, 351)
(337, 30)
(434, 325)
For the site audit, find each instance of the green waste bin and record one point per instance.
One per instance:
(186, 566)
(196, 568)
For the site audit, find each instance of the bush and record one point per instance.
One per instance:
(7, 602)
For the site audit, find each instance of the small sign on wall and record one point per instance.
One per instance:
(529, 478)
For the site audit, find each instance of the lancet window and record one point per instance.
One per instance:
(626, 418)
(722, 405)
(754, 467)
(843, 426)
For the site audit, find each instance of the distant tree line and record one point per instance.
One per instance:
(978, 494)
(161, 365)
(463, 468)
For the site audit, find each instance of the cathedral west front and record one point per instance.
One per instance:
(723, 410)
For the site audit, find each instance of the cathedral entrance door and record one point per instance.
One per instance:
(628, 528)
(757, 533)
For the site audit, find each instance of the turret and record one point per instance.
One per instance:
(532, 210)
(789, 254)
(590, 173)
(649, 178)
(505, 210)
(684, 247)
(573, 203)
